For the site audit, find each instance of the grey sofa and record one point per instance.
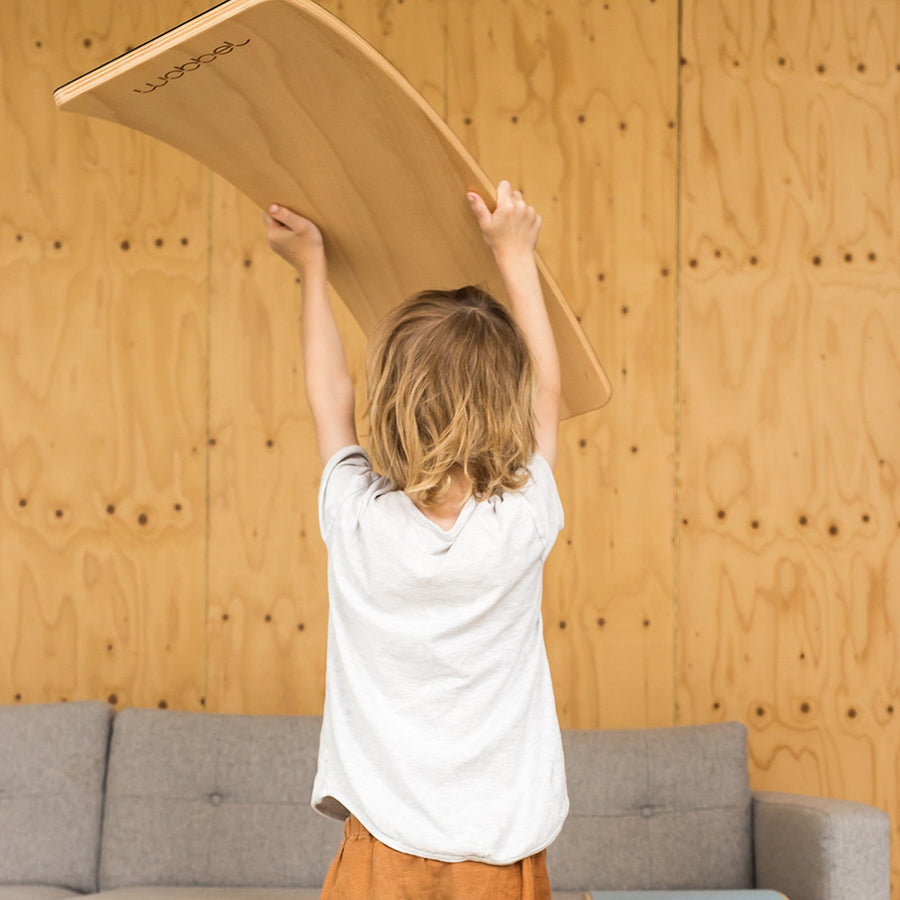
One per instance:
(165, 805)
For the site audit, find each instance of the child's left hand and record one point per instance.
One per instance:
(512, 228)
(293, 237)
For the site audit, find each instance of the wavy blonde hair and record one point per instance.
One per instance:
(450, 386)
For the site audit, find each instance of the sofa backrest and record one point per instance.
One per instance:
(656, 808)
(52, 764)
(214, 799)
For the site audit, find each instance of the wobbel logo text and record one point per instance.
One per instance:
(194, 63)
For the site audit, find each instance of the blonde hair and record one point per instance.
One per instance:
(451, 386)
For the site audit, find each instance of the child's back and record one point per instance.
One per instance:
(440, 729)
(440, 743)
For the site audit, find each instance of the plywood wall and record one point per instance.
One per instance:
(789, 390)
(103, 347)
(595, 148)
(719, 181)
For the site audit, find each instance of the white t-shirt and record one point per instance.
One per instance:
(440, 731)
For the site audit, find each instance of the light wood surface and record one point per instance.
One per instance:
(268, 612)
(102, 384)
(789, 597)
(555, 118)
(292, 106)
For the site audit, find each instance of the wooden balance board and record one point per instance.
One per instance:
(293, 107)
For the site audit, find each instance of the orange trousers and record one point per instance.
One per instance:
(366, 869)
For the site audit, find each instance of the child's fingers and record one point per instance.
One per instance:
(511, 201)
(273, 229)
(281, 215)
(479, 208)
(287, 218)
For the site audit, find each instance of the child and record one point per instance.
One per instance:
(440, 744)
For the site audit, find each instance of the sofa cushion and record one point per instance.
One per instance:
(683, 895)
(658, 808)
(35, 892)
(52, 762)
(214, 799)
(210, 893)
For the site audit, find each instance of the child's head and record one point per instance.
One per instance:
(451, 383)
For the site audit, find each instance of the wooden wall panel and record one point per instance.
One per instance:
(789, 600)
(102, 387)
(268, 608)
(268, 613)
(576, 104)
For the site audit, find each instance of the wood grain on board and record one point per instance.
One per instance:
(290, 105)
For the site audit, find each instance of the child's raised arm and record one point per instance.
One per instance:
(511, 231)
(329, 388)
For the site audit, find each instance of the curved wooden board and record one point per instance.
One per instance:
(292, 106)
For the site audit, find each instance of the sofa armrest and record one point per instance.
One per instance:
(815, 848)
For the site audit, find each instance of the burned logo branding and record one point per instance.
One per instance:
(194, 63)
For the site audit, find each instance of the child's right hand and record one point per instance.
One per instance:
(513, 227)
(294, 238)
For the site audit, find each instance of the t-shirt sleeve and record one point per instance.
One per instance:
(543, 497)
(345, 478)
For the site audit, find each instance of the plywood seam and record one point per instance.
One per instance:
(207, 500)
(676, 471)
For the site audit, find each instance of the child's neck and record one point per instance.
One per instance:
(446, 512)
